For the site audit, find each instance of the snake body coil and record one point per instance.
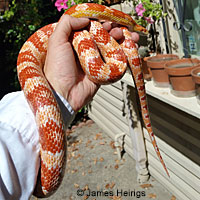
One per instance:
(39, 94)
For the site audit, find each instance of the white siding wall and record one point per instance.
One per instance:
(177, 133)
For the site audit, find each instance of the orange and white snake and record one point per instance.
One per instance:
(86, 44)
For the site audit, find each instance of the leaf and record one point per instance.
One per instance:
(107, 186)
(76, 185)
(95, 160)
(101, 159)
(116, 198)
(112, 185)
(173, 197)
(98, 136)
(74, 171)
(116, 166)
(146, 186)
(31, 27)
(86, 197)
(101, 143)
(88, 142)
(112, 144)
(152, 196)
(86, 187)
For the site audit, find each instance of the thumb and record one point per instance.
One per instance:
(67, 24)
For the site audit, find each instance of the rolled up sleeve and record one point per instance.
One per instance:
(19, 145)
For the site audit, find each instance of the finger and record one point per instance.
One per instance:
(66, 25)
(135, 36)
(107, 26)
(116, 33)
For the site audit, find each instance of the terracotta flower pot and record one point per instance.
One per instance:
(196, 78)
(180, 77)
(157, 65)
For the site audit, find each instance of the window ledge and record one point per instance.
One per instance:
(188, 105)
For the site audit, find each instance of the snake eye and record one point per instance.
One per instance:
(140, 29)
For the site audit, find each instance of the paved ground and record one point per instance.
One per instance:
(94, 171)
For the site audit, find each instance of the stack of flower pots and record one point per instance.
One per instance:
(157, 66)
(170, 71)
(180, 77)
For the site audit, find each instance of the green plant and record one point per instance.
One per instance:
(146, 11)
(17, 24)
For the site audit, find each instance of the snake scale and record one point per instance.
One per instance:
(87, 45)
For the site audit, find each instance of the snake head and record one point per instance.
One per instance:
(140, 29)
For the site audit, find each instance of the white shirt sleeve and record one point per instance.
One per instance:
(19, 145)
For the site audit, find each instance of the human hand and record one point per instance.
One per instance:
(61, 68)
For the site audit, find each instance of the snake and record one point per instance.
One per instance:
(90, 45)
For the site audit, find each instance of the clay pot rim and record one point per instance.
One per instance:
(159, 65)
(195, 71)
(195, 78)
(181, 71)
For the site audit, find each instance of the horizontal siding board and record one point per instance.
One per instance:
(97, 108)
(176, 168)
(114, 101)
(170, 187)
(183, 146)
(175, 114)
(168, 123)
(113, 91)
(184, 161)
(175, 180)
(108, 106)
(110, 117)
(117, 85)
(110, 129)
(104, 122)
(179, 134)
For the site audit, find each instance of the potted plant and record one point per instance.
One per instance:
(196, 78)
(180, 77)
(146, 13)
(157, 66)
